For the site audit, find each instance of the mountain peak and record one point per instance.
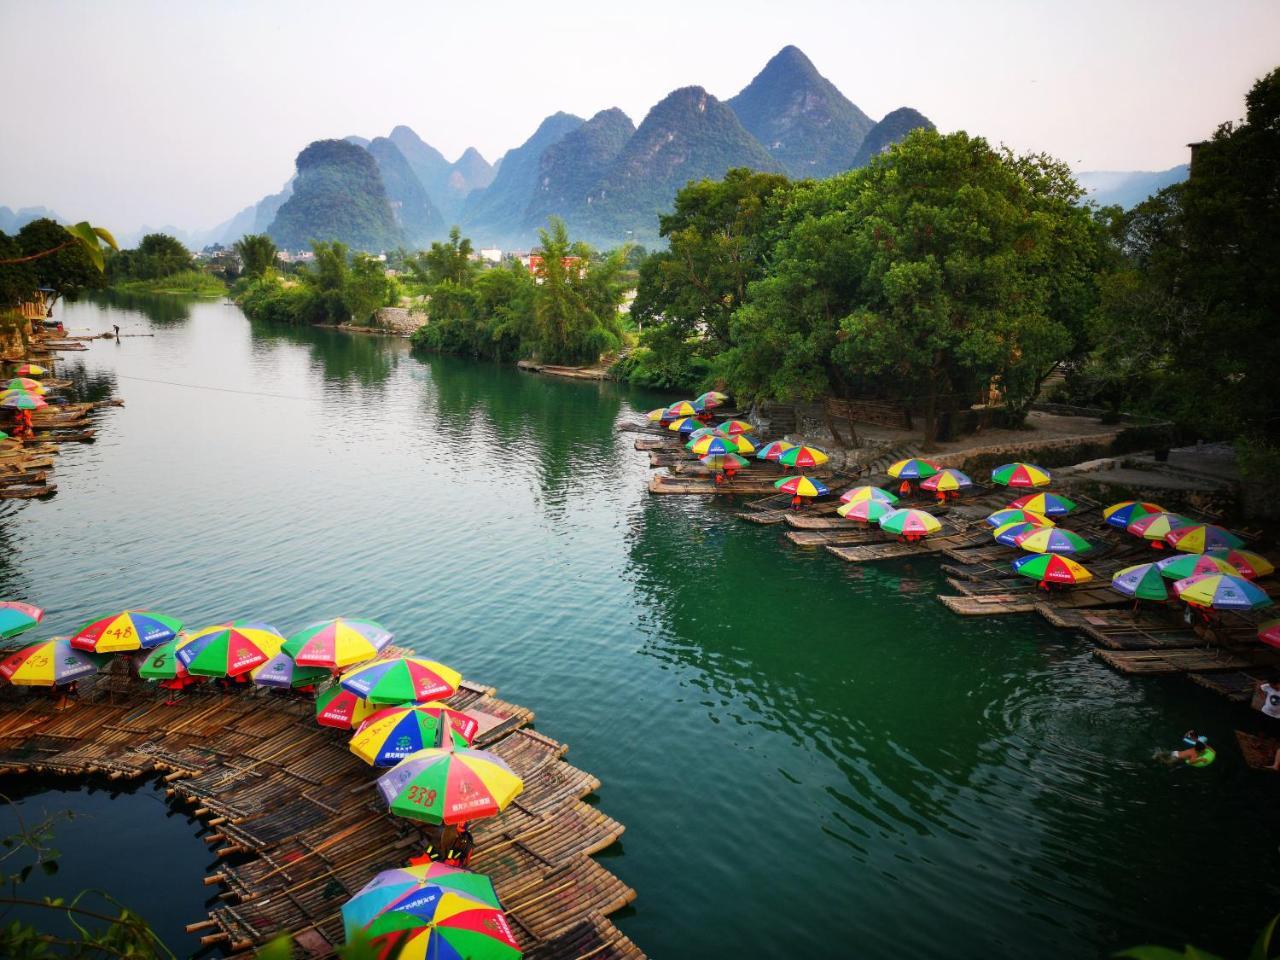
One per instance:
(800, 116)
(895, 125)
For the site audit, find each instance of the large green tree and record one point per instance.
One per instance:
(448, 261)
(257, 253)
(157, 255)
(66, 271)
(575, 303)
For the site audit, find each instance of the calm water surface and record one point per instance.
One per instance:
(810, 758)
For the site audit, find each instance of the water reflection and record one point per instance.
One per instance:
(340, 359)
(161, 309)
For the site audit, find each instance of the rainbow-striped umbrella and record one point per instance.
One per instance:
(1051, 568)
(734, 428)
(1154, 526)
(398, 889)
(449, 786)
(391, 734)
(712, 445)
(1008, 533)
(803, 456)
(745, 446)
(910, 521)
(1251, 565)
(49, 663)
(1045, 504)
(1142, 582)
(1126, 511)
(710, 400)
(868, 511)
(283, 673)
(1201, 537)
(449, 927)
(1021, 475)
(21, 400)
(162, 663)
(16, 616)
(854, 494)
(337, 643)
(1269, 633)
(1016, 515)
(773, 450)
(126, 631)
(657, 416)
(229, 649)
(30, 370)
(1218, 591)
(681, 408)
(802, 486)
(946, 481)
(685, 425)
(1185, 565)
(27, 384)
(1053, 540)
(342, 709)
(913, 469)
(718, 461)
(401, 680)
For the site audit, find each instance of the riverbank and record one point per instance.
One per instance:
(190, 283)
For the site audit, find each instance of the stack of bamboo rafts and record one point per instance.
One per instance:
(293, 816)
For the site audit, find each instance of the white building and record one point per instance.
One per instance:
(491, 254)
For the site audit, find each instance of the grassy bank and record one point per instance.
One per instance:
(187, 283)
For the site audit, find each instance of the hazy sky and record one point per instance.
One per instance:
(163, 112)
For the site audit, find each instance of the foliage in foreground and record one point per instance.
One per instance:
(1262, 949)
(46, 254)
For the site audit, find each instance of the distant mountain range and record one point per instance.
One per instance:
(1128, 188)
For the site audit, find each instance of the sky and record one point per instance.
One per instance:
(128, 112)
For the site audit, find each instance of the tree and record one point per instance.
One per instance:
(449, 261)
(575, 316)
(157, 255)
(257, 252)
(90, 238)
(17, 278)
(66, 271)
(367, 287)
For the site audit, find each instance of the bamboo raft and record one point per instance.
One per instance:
(665, 483)
(292, 814)
(1259, 752)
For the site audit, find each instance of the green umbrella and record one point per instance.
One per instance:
(162, 663)
(1142, 582)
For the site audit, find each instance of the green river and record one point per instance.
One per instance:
(811, 759)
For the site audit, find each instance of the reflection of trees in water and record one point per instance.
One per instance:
(86, 385)
(341, 359)
(13, 585)
(568, 426)
(161, 309)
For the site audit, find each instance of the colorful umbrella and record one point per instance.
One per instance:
(391, 734)
(854, 494)
(449, 786)
(448, 927)
(390, 889)
(745, 446)
(1201, 537)
(283, 673)
(1051, 568)
(162, 663)
(1142, 582)
(705, 431)
(946, 481)
(802, 486)
(126, 631)
(1016, 515)
(705, 445)
(401, 680)
(1045, 504)
(21, 400)
(1250, 565)
(1124, 513)
(48, 663)
(803, 456)
(30, 370)
(1154, 526)
(912, 469)
(1021, 475)
(1008, 533)
(868, 511)
(1221, 592)
(1269, 633)
(1185, 565)
(1053, 540)
(734, 428)
(686, 425)
(337, 643)
(710, 400)
(910, 521)
(718, 461)
(27, 384)
(681, 408)
(773, 450)
(657, 416)
(229, 649)
(16, 616)
(342, 709)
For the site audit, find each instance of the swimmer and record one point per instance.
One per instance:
(1197, 753)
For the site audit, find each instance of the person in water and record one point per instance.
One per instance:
(1197, 752)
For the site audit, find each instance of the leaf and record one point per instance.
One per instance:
(24, 873)
(105, 234)
(1150, 952)
(1262, 948)
(50, 867)
(281, 948)
(88, 239)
